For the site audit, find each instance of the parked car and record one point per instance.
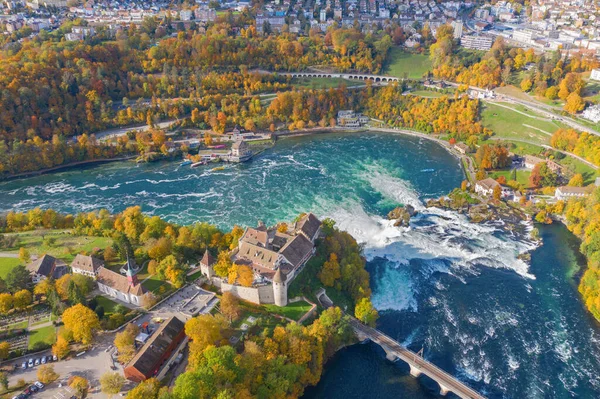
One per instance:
(43, 361)
(54, 358)
(39, 385)
(27, 391)
(37, 362)
(33, 389)
(30, 363)
(24, 365)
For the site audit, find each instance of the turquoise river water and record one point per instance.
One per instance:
(456, 289)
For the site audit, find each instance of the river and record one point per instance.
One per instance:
(455, 289)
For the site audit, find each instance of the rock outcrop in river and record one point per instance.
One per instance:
(401, 215)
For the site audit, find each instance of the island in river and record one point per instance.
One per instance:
(454, 288)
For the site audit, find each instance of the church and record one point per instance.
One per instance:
(124, 288)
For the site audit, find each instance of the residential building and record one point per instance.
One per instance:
(566, 192)
(486, 187)
(462, 148)
(530, 161)
(458, 29)
(86, 265)
(349, 118)
(595, 75)
(592, 113)
(124, 288)
(240, 152)
(477, 42)
(47, 267)
(157, 351)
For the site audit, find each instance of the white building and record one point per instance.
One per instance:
(86, 265)
(458, 29)
(595, 75)
(486, 187)
(566, 192)
(124, 288)
(477, 42)
(592, 113)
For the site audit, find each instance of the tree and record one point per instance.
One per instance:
(43, 287)
(223, 264)
(6, 303)
(82, 321)
(330, 272)
(204, 330)
(4, 380)
(18, 278)
(80, 385)
(365, 312)
(75, 295)
(125, 342)
(22, 299)
(46, 374)
(464, 185)
(24, 255)
(497, 193)
(245, 276)
(60, 349)
(230, 306)
(145, 390)
(526, 84)
(62, 286)
(574, 103)
(111, 383)
(4, 350)
(576, 180)
(85, 284)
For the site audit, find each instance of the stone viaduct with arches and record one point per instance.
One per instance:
(349, 76)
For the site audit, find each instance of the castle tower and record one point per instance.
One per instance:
(279, 289)
(131, 275)
(206, 265)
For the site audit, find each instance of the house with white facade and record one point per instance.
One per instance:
(47, 267)
(124, 288)
(566, 192)
(86, 265)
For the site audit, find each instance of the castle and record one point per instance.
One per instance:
(276, 257)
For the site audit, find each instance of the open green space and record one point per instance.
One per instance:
(591, 91)
(7, 264)
(107, 304)
(522, 175)
(513, 123)
(153, 283)
(46, 335)
(400, 63)
(589, 174)
(322, 83)
(292, 311)
(64, 246)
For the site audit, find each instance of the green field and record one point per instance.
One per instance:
(400, 63)
(292, 311)
(322, 83)
(513, 123)
(7, 264)
(46, 335)
(153, 284)
(107, 304)
(589, 173)
(65, 247)
(522, 176)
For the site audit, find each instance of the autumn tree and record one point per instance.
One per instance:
(62, 286)
(365, 312)
(125, 342)
(82, 322)
(4, 350)
(4, 380)
(330, 272)
(245, 276)
(147, 389)
(60, 349)
(22, 299)
(574, 103)
(46, 374)
(230, 306)
(24, 255)
(80, 385)
(6, 303)
(223, 264)
(497, 193)
(111, 383)
(204, 330)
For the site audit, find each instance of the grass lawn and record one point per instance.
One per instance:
(194, 276)
(107, 304)
(322, 83)
(513, 124)
(65, 247)
(400, 63)
(520, 148)
(522, 176)
(44, 334)
(292, 311)
(153, 284)
(589, 173)
(7, 264)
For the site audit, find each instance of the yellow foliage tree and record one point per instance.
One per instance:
(82, 321)
(60, 349)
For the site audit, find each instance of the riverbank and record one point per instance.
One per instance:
(65, 167)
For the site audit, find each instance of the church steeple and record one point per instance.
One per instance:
(129, 272)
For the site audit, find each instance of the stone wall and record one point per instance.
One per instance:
(258, 295)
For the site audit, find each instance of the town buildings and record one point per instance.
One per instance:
(477, 42)
(86, 265)
(47, 267)
(275, 257)
(566, 192)
(157, 350)
(124, 288)
(486, 187)
(349, 118)
(592, 113)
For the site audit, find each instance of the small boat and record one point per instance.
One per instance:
(196, 164)
(217, 168)
(185, 162)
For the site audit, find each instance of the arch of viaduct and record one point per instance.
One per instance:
(353, 76)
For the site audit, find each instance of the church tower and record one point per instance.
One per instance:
(131, 275)
(279, 289)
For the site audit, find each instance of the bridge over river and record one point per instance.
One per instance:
(417, 364)
(350, 76)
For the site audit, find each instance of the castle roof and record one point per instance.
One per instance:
(309, 225)
(277, 278)
(208, 259)
(118, 282)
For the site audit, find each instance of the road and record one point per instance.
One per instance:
(111, 133)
